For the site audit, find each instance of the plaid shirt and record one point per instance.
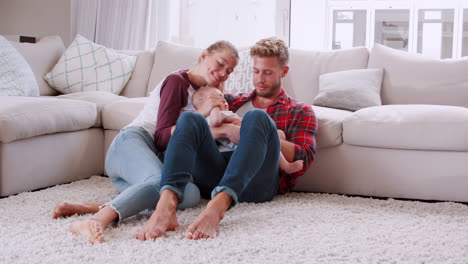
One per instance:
(298, 122)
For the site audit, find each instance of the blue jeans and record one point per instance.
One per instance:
(134, 168)
(248, 174)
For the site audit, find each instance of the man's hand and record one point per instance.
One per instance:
(214, 100)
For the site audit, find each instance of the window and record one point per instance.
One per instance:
(435, 33)
(465, 33)
(392, 28)
(349, 28)
(201, 22)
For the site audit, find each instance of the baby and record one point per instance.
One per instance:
(220, 114)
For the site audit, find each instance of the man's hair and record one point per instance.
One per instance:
(220, 46)
(200, 95)
(271, 47)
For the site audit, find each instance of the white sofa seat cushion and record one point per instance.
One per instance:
(117, 115)
(417, 127)
(330, 125)
(26, 117)
(100, 98)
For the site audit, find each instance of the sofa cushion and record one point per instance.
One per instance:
(350, 90)
(330, 124)
(302, 81)
(86, 66)
(25, 117)
(138, 82)
(100, 98)
(118, 114)
(170, 57)
(241, 79)
(417, 127)
(42, 56)
(411, 78)
(16, 76)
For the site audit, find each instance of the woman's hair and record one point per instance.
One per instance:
(271, 47)
(220, 46)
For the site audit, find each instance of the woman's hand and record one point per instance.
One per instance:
(233, 133)
(214, 100)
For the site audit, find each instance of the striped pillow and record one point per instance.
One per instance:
(86, 66)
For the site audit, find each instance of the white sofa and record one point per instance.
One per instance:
(413, 146)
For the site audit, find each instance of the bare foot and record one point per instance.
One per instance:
(70, 208)
(294, 166)
(158, 225)
(88, 228)
(205, 226)
(163, 219)
(207, 223)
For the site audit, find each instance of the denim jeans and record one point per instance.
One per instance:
(134, 168)
(248, 174)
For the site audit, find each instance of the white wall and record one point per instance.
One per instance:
(308, 24)
(36, 18)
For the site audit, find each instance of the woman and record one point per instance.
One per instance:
(133, 161)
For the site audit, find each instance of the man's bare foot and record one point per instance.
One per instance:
(70, 208)
(163, 219)
(158, 225)
(207, 223)
(88, 228)
(294, 166)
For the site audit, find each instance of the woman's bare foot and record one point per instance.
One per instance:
(293, 167)
(207, 223)
(88, 228)
(163, 219)
(70, 208)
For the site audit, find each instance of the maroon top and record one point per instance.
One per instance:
(174, 97)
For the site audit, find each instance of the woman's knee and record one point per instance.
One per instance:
(191, 117)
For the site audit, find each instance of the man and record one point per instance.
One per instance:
(250, 173)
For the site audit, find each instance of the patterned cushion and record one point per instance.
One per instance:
(16, 76)
(240, 80)
(86, 66)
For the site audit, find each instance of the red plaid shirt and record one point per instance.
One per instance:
(298, 122)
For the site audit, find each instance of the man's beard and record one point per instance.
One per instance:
(268, 93)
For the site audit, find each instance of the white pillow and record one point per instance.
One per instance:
(16, 76)
(350, 90)
(240, 80)
(86, 66)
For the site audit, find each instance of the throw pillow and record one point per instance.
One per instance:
(16, 76)
(350, 90)
(240, 80)
(86, 66)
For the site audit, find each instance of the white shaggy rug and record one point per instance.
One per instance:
(293, 228)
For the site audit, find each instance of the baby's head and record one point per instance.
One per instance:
(203, 94)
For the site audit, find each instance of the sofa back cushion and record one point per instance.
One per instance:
(302, 81)
(42, 56)
(170, 57)
(411, 78)
(138, 82)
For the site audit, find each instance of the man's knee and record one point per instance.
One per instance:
(258, 116)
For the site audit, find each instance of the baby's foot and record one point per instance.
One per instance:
(294, 166)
